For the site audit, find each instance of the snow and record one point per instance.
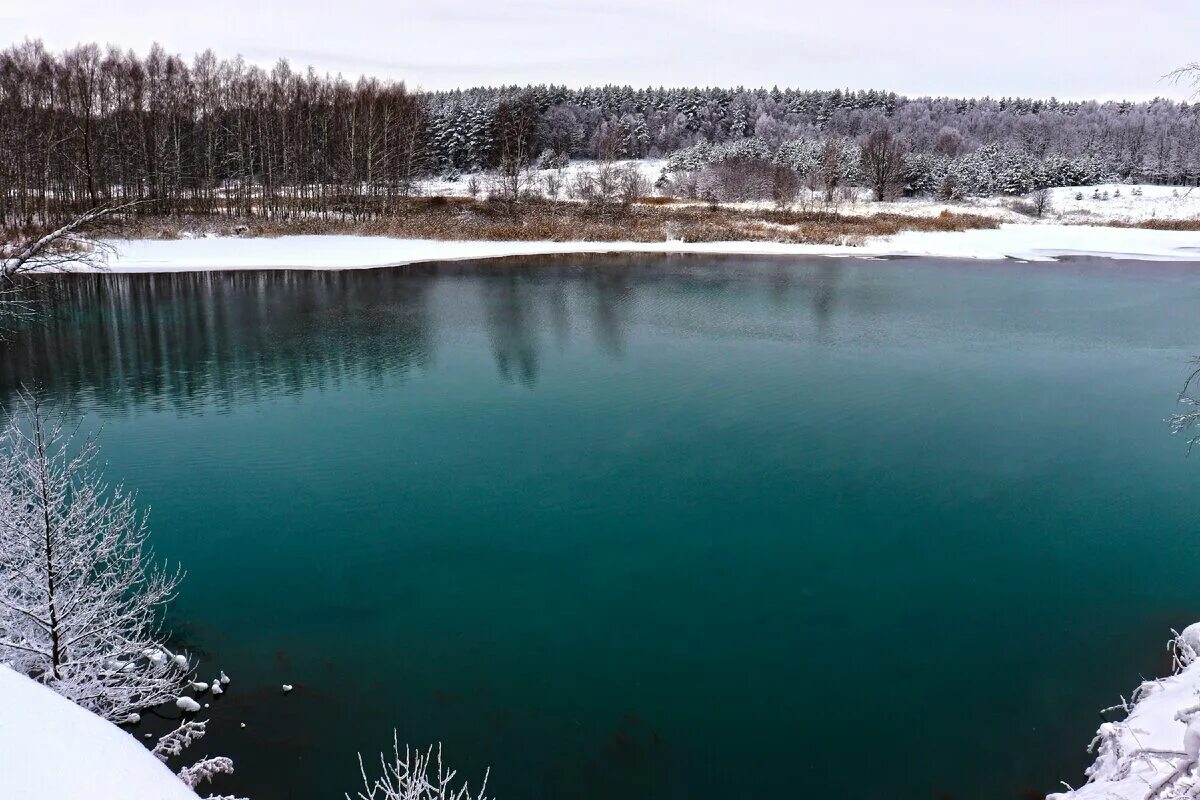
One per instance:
(187, 704)
(1124, 202)
(51, 749)
(333, 252)
(1154, 750)
(651, 168)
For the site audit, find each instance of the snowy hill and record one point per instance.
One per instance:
(51, 749)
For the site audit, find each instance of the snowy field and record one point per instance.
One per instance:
(1074, 205)
(1024, 242)
(51, 749)
(650, 168)
(1098, 204)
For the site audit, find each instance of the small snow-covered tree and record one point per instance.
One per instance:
(1040, 201)
(80, 599)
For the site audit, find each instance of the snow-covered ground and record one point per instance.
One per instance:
(1154, 752)
(650, 168)
(1115, 203)
(1027, 242)
(51, 749)
(1072, 205)
(1101, 203)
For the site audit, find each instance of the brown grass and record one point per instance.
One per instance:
(466, 219)
(1160, 224)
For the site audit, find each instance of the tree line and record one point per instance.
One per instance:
(90, 126)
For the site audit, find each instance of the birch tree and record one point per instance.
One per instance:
(81, 600)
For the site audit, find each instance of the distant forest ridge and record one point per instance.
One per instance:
(90, 125)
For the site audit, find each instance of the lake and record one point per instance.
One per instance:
(643, 527)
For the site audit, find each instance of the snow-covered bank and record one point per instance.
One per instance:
(1029, 242)
(1153, 752)
(51, 749)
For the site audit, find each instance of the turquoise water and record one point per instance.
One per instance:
(656, 528)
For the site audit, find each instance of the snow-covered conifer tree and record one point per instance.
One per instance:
(80, 600)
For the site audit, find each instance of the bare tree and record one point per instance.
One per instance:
(552, 183)
(80, 600)
(632, 184)
(882, 162)
(785, 186)
(516, 126)
(1188, 73)
(1039, 200)
(408, 777)
(833, 168)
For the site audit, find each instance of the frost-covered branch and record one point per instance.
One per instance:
(205, 770)
(172, 744)
(1187, 422)
(1188, 73)
(66, 245)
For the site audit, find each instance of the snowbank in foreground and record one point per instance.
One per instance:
(51, 749)
(1153, 752)
(1029, 242)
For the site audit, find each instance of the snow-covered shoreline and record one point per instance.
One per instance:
(1155, 751)
(342, 252)
(52, 749)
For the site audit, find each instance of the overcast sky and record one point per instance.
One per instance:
(1065, 48)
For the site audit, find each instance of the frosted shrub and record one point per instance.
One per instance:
(409, 777)
(632, 184)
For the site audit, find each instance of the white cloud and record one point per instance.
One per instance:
(1069, 48)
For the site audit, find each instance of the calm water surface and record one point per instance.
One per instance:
(656, 528)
